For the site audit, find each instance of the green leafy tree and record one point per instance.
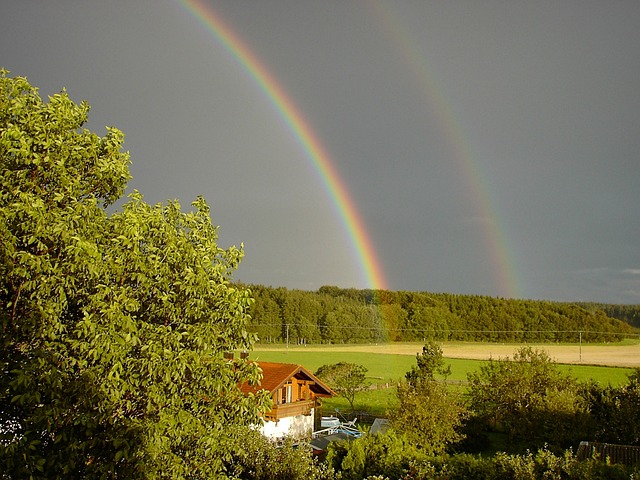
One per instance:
(615, 411)
(265, 316)
(430, 416)
(262, 459)
(529, 399)
(428, 413)
(330, 330)
(395, 319)
(387, 455)
(112, 327)
(347, 379)
(428, 363)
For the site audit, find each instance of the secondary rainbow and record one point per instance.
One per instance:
(343, 203)
(496, 244)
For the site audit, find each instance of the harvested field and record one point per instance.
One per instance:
(607, 355)
(614, 355)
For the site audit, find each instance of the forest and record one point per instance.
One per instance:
(337, 315)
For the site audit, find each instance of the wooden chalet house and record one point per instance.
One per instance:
(297, 395)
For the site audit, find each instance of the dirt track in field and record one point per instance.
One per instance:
(608, 355)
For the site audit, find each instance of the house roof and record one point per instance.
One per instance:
(275, 375)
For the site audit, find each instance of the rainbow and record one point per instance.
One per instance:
(496, 245)
(336, 190)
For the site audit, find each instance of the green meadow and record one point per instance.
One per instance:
(381, 367)
(384, 369)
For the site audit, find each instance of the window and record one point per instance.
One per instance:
(286, 394)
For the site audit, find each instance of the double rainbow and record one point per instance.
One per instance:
(496, 244)
(471, 174)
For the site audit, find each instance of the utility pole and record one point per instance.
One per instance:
(580, 346)
(287, 336)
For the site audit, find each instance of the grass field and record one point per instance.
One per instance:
(604, 364)
(388, 363)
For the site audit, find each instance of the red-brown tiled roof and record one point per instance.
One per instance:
(275, 375)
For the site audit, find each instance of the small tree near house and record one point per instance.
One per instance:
(346, 379)
(429, 415)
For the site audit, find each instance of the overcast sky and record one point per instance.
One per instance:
(490, 147)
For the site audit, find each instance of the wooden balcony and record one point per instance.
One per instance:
(301, 407)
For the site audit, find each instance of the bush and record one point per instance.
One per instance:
(529, 399)
(548, 466)
(390, 456)
(257, 458)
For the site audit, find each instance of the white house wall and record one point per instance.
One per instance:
(298, 426)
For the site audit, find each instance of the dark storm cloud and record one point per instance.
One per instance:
(543, 96)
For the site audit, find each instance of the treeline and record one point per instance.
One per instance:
(627, 313)
(337, 315)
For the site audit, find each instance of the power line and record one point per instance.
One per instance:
(424, 330)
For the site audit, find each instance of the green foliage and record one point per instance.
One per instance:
(112, 327)
(544, 464)
(529, 399)
(335, 315)
(615, 411)
(346, 379)
(627, 313)
(391, 456)
(429, 362)
(255, 457)
(388, 455)
(429, 414)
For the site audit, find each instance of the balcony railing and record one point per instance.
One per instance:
(301, 407)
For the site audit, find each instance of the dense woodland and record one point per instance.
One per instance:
(627, 313)
(335, 315)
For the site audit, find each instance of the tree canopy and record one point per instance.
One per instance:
(429, 414)
(529, 399)
(112, 325)
(335, 315)
(347, 379)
